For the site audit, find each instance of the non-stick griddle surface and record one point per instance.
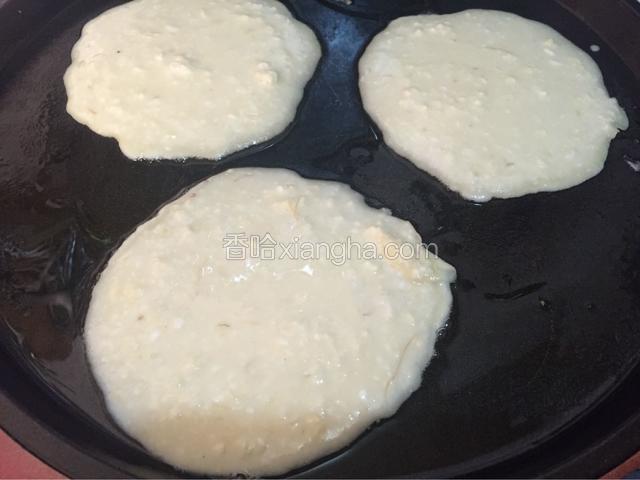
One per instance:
(546, 322)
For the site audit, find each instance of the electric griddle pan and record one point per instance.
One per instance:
(537, 373)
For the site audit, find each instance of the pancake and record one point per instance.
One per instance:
(490, 103)
(195, 78)
(256, 364)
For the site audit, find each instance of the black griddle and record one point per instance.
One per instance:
(538, 371)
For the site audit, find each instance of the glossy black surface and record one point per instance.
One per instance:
(546, 323)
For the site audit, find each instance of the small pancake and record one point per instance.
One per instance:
(492, 104)
(258, 364)
(190, 78)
